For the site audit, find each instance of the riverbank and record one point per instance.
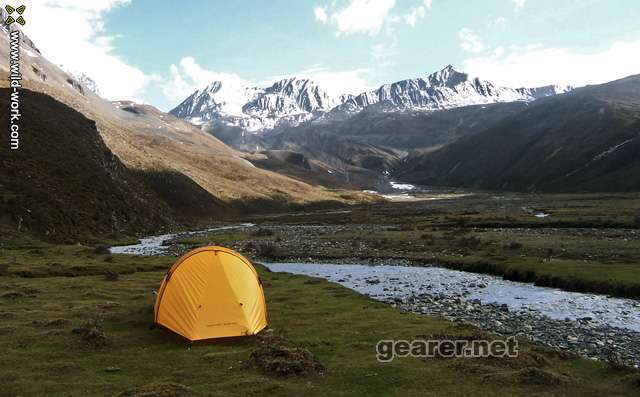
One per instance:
(45, 314)
(589, 325)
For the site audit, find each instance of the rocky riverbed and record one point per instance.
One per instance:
(581, 336)
(591, 325)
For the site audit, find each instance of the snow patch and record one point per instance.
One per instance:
(402, 186)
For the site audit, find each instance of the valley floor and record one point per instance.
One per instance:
(588, 243)
(75, 318)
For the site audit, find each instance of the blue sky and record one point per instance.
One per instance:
(158, 51)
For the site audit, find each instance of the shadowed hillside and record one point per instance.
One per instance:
(64, 183)
(586, 140)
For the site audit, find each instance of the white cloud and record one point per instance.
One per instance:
(537, 66)
(413, 15)
(321, 14)
(385, 53)
(470, 41)
(417, 13)
(499, 23)
(188, 76)
(71, 33)
(358, 16)
(334, 82)
(519, 4)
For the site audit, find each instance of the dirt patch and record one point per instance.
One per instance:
(489, 365)
(92, 335)
(314, 280)
(159, 390)
(277, 356)
(13, 295)
(524, 360)
(58, 322)
(111, 275)
(633, 379)
(553, 353)
(18, 291)
(529, 376)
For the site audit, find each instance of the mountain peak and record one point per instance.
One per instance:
(449, 68)
(214, 86)
(447, 77)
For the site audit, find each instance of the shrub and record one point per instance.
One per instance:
(277, 356)
(269, 250)
(470, 242)
(101, 250)
(514, 245)
(92, 334)
(111, 275)
(262, 232)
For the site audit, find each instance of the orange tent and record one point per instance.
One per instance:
(211, 292)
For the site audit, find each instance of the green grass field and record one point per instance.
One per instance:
(63, 325)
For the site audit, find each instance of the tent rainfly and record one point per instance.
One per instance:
(211, 292)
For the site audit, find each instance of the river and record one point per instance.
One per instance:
(596, 326)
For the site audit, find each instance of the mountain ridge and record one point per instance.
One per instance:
(587, 140)
(294, 100)
(254, 108)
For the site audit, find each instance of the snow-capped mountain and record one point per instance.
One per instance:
(293, 100)
(541, 92)
(80, 80)
(291, 96)
(88, 82)
(253, 108)
(445, 89)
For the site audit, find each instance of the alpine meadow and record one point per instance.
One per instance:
(320, 198)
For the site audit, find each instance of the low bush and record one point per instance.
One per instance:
(262, 232)
(269, 250)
